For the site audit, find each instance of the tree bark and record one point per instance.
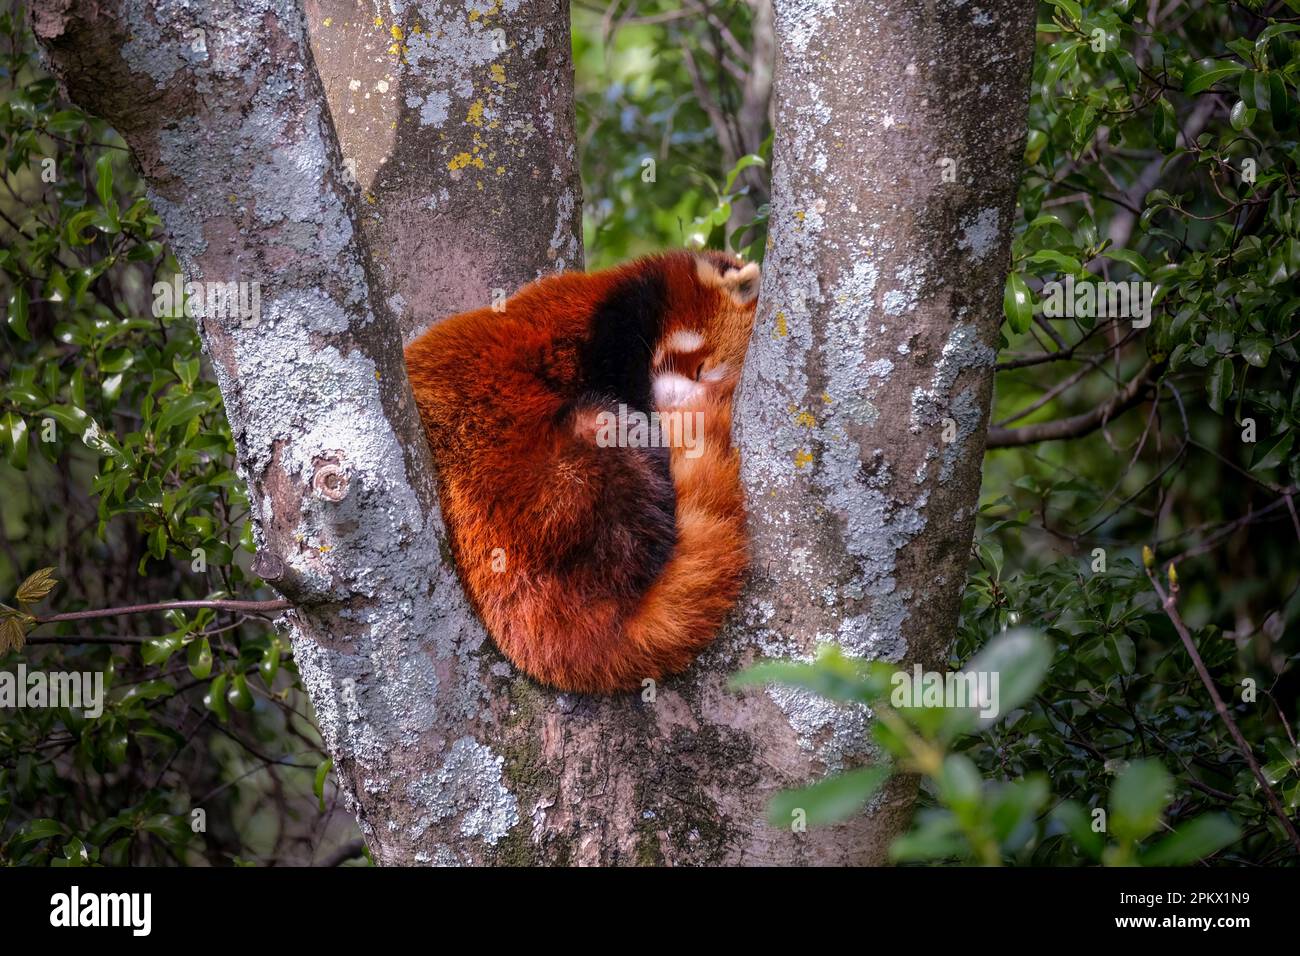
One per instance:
(864, 406)
(880, 306)
(223, 110)
(456, 121)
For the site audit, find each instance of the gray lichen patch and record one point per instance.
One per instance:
(468, 786)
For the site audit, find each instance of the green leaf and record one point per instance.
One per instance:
(70, 417)
(960, 785)
(1203, 74)
(1122, 651)
(1279, 103)
(1060, 260)
(1018, 303)
(186, 369)
(318, 784)
(269, 665)
(1130, 258)
(1070, 8)
(749, 159)
(1193, 841)
(831, 675)
(199, 658)
(1138, 798)
(1241, 116)
(65, 122)
(1274, 453)
(1256, 350)
(75, 226)
(936, 837)
(147, 690)
(239, 696)
(13, 432)
(1018, 661)
(104, 183)
(18, 312)
(1219, 385)
(831, 800)
(1077, 822)
(159, 649)
(1165, 126)
(215, 699)
(40, 828)
(181, 411)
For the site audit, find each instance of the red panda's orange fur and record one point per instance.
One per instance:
(594, 568)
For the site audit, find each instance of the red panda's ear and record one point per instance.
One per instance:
(738, 279)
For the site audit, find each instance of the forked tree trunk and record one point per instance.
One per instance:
(456, 120)
(880, 303)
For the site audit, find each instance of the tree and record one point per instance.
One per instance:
(875, 340)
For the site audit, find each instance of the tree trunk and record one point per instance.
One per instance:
(457, 122)
(864, 406)
(880, 306)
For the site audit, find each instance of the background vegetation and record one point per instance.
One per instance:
(1142, 120)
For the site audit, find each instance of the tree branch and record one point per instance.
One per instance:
(1076, 426)
(254, 606)
(1169, 603)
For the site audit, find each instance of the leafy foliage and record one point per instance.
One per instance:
(975, 814)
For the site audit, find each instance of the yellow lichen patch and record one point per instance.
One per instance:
(475, 115)
(826, 398)
(371, 198)
(396, 31)
(459, 161)
(329, 21)
(379, 21)
(800, 215)
(782, 329)
(500, 170)
(802, 458)
(498, 72)
(805, 419)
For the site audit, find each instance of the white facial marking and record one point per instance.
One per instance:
(715, 374)
(684, 340)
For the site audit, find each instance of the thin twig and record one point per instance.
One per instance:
(1169, 603)
(254, 606)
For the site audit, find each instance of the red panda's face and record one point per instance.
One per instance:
(707, 332)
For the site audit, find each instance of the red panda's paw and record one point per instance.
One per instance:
(688, 373)
(673, 390)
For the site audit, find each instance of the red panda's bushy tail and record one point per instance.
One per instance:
(686, 605)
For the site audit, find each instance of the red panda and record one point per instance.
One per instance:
(598, 551)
